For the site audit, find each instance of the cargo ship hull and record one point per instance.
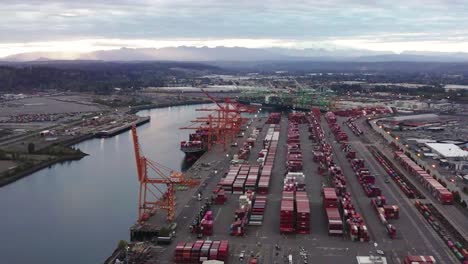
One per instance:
(195, 146)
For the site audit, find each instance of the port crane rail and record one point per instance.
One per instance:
(152, 197)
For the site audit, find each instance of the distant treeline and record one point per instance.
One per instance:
(434, 92)
(391, 71)
(100, 77)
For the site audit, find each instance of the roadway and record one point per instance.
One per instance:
(458, 217)
(414, 235)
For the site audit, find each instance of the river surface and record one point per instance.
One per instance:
(76, 212)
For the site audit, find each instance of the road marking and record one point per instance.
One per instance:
(332, 248)
(217, 214)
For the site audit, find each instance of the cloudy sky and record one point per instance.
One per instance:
(87, 25)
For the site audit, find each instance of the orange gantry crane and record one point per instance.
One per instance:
(152, 196)
(224, 122)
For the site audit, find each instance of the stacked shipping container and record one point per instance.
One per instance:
(287, 212)
(295, 207)
(353, 221)
(302, 213)
(405, 186)
(270, 144)
(228, 181)
(274, 118)
(201, 250)
(367, 182)
(442, 194)
(353, 127)
(252, 178)
(330, 205)
(454, 240)
(294, 155)
(363, 111)
(258, 210)
(241, 178)
(385, 212)
(242, 214)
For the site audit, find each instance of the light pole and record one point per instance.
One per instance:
(126, 254)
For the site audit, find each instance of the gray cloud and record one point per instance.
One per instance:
(383, 20)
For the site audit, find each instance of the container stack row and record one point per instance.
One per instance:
(201, 250)
(239, 183)
(330, 205)
(340, 135)
(258, 210)
(252, 178)
(442, 194)
(363, 111)
(203, 227)
(454, 240)
(242, 214)
(219, 195)
(302, 213)
(267, 158)
(385, 212)
(287, 212)
(244, 152)
(228, 181)
(241, 178)
(297, 117)
(353, 221)
(330, 117)
(274, 118)
(207, 224)
(294, 181)
(353, 127)
(367, 181)
(295, 206)
(294, 153)
(350, 219)
(405, 186)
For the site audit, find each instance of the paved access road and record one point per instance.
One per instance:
(458, 218)
(415, 236)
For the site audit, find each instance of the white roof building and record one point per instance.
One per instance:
(448, 150)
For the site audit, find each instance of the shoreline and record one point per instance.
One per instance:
(22, 174)
(136, 109)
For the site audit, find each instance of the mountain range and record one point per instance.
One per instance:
(205, 54)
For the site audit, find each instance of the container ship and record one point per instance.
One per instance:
(196, 145)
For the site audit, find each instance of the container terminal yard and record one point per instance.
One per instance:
(295, 187)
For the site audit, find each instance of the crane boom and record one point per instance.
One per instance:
(136, 146)
(212, 98)
(151, 195)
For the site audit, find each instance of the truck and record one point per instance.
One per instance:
(419, 260)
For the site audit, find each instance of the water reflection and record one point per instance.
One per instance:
(76, 212)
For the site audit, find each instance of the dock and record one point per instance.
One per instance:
(414, 235)
(122, 128)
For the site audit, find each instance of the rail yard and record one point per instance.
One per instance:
(303, 187)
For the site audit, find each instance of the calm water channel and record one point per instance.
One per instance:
(77, 212)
